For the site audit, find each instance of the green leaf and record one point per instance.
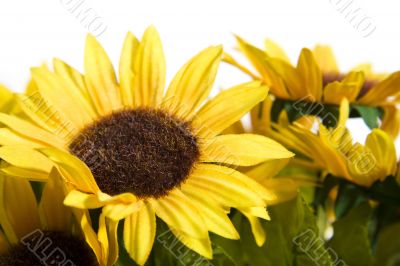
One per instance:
(329, 114)
(387, 191)
(350, 241)
(292, 238)
(277, 107)
(349, 197)
(322, 192)
(370, 115)
(231, 249)
(388, 247)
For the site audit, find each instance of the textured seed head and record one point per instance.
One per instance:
(50, 248)
(143, 151)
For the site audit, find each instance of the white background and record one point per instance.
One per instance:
(33, 32)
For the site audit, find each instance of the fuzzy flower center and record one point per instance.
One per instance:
(143, 151)
(49, 248)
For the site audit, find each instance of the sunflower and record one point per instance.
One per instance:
(285, 185)
(38, 229)
(333, 151)
(317, 78)
(136, 152)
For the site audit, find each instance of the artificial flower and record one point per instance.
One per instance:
(136, 152)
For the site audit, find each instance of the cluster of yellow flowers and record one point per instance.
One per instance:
(106, 167)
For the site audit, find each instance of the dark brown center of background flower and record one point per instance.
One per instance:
(50, 248)
(143, 151)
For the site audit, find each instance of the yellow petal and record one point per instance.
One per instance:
(103, 239)
(379, 93)
(31, 175)
(326, 59)
(291, 77)
(118, 211)
(55, 216)
(6, 97)
(139, 234)
(24, 157)
(178, 211)
(363, 166)
(100, 77)
(74, 170)
(45, 116)
(261, 62)
(126, 74)
(149, 70)
(235, 128)
(310, 73)
(243, 150)
(261, 117)
(107, 236)
(348, 88)
(337, 135)
(364, 67)
(277, 82)
(215, 217)
(30, 131)
(66, 101)
(274, 50)
(193, 83)
(18, 209)
(82, 200)
(284, 188)
(256, 227)
(87, 230)
(383, 149)
(227, 186)
(230, 60)
(70, 75)
(260, 212)
(112, 228)
(12, 138)
(199, 245)
(266, 170)
(390, 122)
(75, 81)
(227, 108)
(256, 56)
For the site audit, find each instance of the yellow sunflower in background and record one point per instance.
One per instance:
(333, 151)
(42, 231)
(285, 185)
(317, 78)
(137, 153)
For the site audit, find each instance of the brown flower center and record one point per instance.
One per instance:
(49, 248)
(143, 151)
